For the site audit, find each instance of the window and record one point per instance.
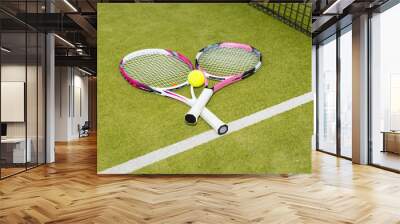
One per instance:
(346, 92)
(22, 77)
(327, 95)
(385, 89)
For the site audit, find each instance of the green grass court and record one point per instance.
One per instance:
(133, 123)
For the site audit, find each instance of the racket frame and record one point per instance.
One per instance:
(194, 112)
(219, 126)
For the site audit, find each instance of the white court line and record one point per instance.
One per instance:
(189, 143)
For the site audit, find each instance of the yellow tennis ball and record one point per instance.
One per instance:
(196, 78)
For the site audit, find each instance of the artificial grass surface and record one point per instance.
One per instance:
(133, 122)
(277, 145)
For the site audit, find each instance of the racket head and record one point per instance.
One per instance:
(156, 69)
(223, 60)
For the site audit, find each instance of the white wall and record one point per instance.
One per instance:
(13, 72)
(33, 127)
(16, 73)
(71, 94)
(62, 81)
(12, 101)
(81, 81)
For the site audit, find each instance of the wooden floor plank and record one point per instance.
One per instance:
(70, 191)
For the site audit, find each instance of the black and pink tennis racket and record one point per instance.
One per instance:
(226, 63)
(162, 71)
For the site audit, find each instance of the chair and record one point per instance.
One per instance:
(84, 130)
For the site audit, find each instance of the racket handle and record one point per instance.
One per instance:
(194, 112)
(219, 126)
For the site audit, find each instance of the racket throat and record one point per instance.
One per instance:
(209, 87)
(194, 112)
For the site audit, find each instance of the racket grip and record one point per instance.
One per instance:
(219, 126)
(194, 112)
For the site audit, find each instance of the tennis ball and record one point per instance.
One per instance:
(196, 78)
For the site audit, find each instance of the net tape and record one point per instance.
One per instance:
(157, 70)
(227, 61)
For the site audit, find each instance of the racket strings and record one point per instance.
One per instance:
(227, 61)
(157, 70)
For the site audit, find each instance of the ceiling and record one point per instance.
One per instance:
(73, 21)
(330, 15)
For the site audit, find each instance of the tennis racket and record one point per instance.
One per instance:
(226, 63)
(161, 71)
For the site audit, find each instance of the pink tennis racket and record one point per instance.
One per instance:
(226, 63)
(162, 71)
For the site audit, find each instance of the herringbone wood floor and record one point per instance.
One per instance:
(69, 191)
